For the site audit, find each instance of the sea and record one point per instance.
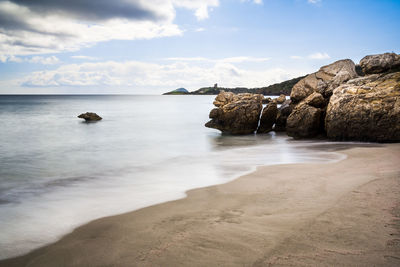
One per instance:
(58, 172)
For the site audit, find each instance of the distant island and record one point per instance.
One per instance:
(275, 89)
(179, 91)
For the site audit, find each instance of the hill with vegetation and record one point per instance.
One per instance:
(275, 89)
(179, 91)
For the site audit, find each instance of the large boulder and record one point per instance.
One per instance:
(366, 109)
(236, 114)
(324, 81)
(283, 113)
(381, 63)
(90, 116)
(268, 118)
(305, 119)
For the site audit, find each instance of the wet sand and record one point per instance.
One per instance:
(335, 214)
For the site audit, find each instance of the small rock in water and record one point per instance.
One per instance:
(90, 116)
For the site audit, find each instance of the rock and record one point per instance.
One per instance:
(280, 99)
(359, 70)
(90, 116)
(268, 118)
(236, 114)
(286, 108)
(305, 119)
(224, 98)
(324, 81)
(283, 113)
(366, 109)
(381, 63)
(316, 100)
(266, 100)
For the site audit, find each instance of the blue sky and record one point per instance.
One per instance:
(149, 47)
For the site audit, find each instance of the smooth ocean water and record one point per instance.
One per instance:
(57, 172)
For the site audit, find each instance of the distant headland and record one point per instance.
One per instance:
(275, 89)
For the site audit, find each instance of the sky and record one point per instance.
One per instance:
(154, 46)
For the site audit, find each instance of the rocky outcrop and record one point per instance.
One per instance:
(339, 101)
(381, 63)
(90, 116)
(236, 114)
(305, 119)
(283, 113)
(324, 81)
(366, 109)
(268, 118)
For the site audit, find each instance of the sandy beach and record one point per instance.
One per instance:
(335, 214)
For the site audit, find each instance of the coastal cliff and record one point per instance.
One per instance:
(341, 101)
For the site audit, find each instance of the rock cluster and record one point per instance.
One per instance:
(90, 116)
(341, 101)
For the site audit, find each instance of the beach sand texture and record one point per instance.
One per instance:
(335, 214)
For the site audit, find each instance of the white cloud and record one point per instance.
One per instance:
(245, 59)
(313, 1)
(200, 30)
(28, 28)
(188, 59)
(258, 2)
(45, 27)
(36, 59)
(84, 57)
(137, 74)
(319, 55)
(44, 60)
(226, 60)
(201, 7)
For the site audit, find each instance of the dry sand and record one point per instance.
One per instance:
(336, 214)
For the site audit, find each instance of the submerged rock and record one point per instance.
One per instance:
(236, 114)
(90, 116)
(268, 118)
(324, 81)
(366, 109)
(381, 63)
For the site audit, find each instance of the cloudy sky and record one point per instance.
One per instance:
(153, 46)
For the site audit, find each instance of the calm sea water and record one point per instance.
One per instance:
(57, 172)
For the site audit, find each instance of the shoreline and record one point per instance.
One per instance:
(252, 220)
